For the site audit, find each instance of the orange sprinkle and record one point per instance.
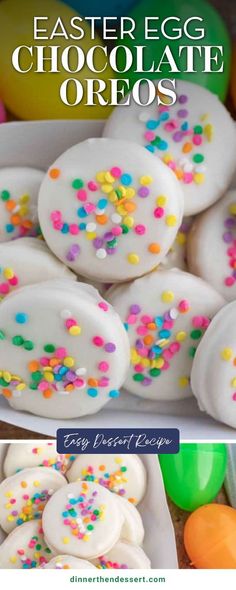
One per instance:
(47, 393)
(179, 173)
(85, 486)
(54, 173)
(132, 500)
(23, 484)
(102, 467)
(151, 326)
(93, 382)
(187, 147)
(234, 362)
(10, 205)
(102, 219)
(148, 339)
(130, 206)
(33, 366)
(6, 392)
(53, 362)
(154, 248)
(15, 219)
(69, 387)
(27, 224)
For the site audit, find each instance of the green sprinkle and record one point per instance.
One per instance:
(49, 348)
(196, 334)
(77, 183)
(155, 372)
(36, 376)
(3, 382)
(198, 129)
(96, 512)
(123, 469)
(28, 345)
(198, 158)
(33, 386)
(125, 229)
(138, 377)
(90, 527)
(192, 351)
(2, 335)
(156, 141)
(5, 195)
(112, 243)
(17, 340)
(38, 547)
(118, 193)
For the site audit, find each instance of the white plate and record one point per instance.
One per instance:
(159, 540)
(38, 144)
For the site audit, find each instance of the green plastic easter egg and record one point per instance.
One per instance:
(36, 94)
(194, 476)
(215, 34)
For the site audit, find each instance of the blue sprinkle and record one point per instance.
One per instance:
(82, 226)
(63, 370)
(102, 203)
(81, 212)
(126, 326)
(185, 126)
(92, 392)
(65, 514)
(58, 377)
(19, 521)
(150, 148)
(65, 228)
(159, 321)
(152, 124)
(157, 349)
(126, 179)
(162, 145)
(164, 116)
(9, 228)
(164, 333)
(114, 393)
(73, 501)
(21, 318)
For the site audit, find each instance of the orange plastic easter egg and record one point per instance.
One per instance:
(210, 537)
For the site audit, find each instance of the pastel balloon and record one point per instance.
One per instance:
(215, 34)
(34, 95)
(195, 475)
(104, 8)
(210, 537)
(3, 115)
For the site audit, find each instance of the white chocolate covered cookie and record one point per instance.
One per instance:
(165, 314)
(82, 519)
(25, 548)
(211, 246)
(123, 474)
(43, 454)
(68, 562)
(123, 556)
(3, 451)
(19, 189)
(195, 138)
(27, 261)
(176, 257)
(23, 496)
(63, 350)
(2, 536)
(132, 530)
(213, 376)
(109, 210)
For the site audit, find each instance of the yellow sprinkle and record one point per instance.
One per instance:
(75, 330)
(10, 518)
(36, 483)
(49, 377)
(91, 235)
(121, 210)
(122, 190)
(171, 220)
(167, 296)
(135, 358)
(145, 180)
(108, 177)
(161, 201)
(100, 176)
(24, 199)
(118, 460)
(204, 117)
(159, 363)
(9, 494)
(226, 354)
(113, 197)
(232, 208)
(21, 386)
(233, 382)
(86, 537)
(47, 369)
(199, 178)
(8, 273)
(129, 221)
(7, 376)
(7, 506)
(68, 361)
(167, 158)
(130, 192)
(13, 559)
(208, 131)
(65, 540)
(145, 362)
(181, 238)
(133, 258)
(107, 188)
(23, 210)
(181, 336)
(183, 381)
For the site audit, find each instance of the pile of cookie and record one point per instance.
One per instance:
(65, 511)
(131, 284)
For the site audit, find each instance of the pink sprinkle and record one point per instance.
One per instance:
(167, 354)
(92, 185)
(43, 386)
(234, 397)
(103, 366)
(116, 231)
(103, 382)
(55, 216)
(166, 366)
(168, 325)
(229, 281)
(187, 177)
(158, 212)
(70, 322)
(14, 281)
(61, 352)
(44, 361)
(81, 195)
(184, 306)
(171, 125)
(139, 368)
(13, 501)
(89, 207)
(149, 135)
(175, 347)
(66, 520)
(79, 383)
(58, 225)
(74, 230)
(197, 321)
(172, 164)
(116, 172)
(103, 305)
(4, 288)
(163, 108)
(143, 352)
(132, 319)
(197, 139)
(142, 330)
(146, 319)
(140, 229)
(98, 341)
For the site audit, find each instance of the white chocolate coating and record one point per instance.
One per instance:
(123, 474)
(3, 451)
(64, 351)
(105, 229)
(68, 562)
(20, 550)
(196, 113)
(213, 375)
(2, 536)
(39, 454)
(82, 519)
(176, 257)
(24, 495)
(123, 556)
(26, 261)
(165, 314)
(211, 246)
(19, 189)
(132, 530)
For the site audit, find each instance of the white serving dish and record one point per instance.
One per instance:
(159, 541)
(37, 144)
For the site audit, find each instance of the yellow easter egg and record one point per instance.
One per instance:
(34, 91)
